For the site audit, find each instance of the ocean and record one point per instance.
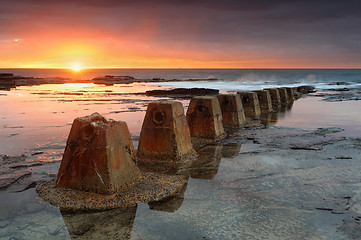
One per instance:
(229, 79)
(38, 113)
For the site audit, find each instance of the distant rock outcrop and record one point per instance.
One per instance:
(7, 81)
(183, 92)
(111, 80)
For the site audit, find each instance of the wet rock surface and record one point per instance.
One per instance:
(20, 173)
(338, 95)
(273, 189)
(300, 193)
(308, 140)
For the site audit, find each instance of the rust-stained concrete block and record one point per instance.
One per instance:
(296, 93)
(232, 110)
(265, 101)
(99, 156)
(251, 106)
(204, 118)
(165, 133)
(290, 94)
(275, 97)
(283, 95)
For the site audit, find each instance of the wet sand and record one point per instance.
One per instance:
(297, 176)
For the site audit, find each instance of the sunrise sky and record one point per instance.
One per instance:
(180, 33)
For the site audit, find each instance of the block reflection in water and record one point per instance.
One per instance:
(231, 150)
(286, 107)
(207, 163)
(268, 119)
(111, 224)
(170, 204)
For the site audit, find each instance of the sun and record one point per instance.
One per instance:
(76, 67)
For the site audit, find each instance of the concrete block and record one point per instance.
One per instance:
(275, 97)
(265, 101)
(99, 156)
(296, 93)
(251, 106)
(283, 95)
(290, 94)
(204, 118)
(165, 134)
(232, 110)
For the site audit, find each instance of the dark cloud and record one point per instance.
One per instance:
(277, 28)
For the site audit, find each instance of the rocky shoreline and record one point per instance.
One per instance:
(303, 182)
(10, 81)
(319, 179)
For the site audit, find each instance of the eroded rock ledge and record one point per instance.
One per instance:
(152, 187)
